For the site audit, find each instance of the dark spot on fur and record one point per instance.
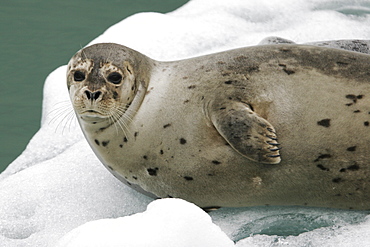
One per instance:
(166, 125)
(136, 134)
(324, 122)
(134, 177)
(124, 139)
(188, 178)
(105, 143)
(161, 151)
(216, 162)
(110, 168)
(322, 156)
(145, 157)
(253, 68)
(222, 108)
(115, 95)
(121, 145)
(359, 96)
(229, 82)
(338, 194)
(152, 171)
(342, 63)
(337, 180)
(323, 167)
(285, 50)
(366, 123)
(169, 196)
(357, 111)
(186, 101)
(182, 141)
(343, 170)
(351, 149)
(94, 122)
(241, 58)
(354, 167)
(128, 183)
(351, 96)
(185, 77)
(191, 87)
(97, 142)
(288, 71)
(349, 104)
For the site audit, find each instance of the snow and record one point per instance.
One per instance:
(157, 226)
(57, 190)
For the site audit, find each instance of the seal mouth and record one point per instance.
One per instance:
(92, 116)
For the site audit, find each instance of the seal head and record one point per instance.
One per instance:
(102, 83)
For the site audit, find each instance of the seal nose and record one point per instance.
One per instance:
(92, 95)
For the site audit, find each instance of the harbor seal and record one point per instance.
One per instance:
(279, 124)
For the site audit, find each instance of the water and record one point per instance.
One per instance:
(38, 36)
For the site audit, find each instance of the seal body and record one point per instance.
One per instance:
(267, 125)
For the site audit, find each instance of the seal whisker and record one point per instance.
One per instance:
(66, 104)
(69, 119)
(116, 118)
(125, 113)
(64, 113)
(129, 113)
(121, 120)
(113, 121)
(68, 116)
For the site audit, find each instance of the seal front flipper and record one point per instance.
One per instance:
(249, 134)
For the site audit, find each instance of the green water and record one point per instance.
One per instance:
(37, 36)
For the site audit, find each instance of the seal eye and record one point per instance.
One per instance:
(114, 78)
(79, 76)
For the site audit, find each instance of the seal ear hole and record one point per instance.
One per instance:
(115, 78)
(79, 75)
(128, 69)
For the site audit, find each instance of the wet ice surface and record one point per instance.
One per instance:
(281, 225)
(57, 190)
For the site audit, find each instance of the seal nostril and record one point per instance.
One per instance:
(88, 94)
(92, 96)
(96, 95)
